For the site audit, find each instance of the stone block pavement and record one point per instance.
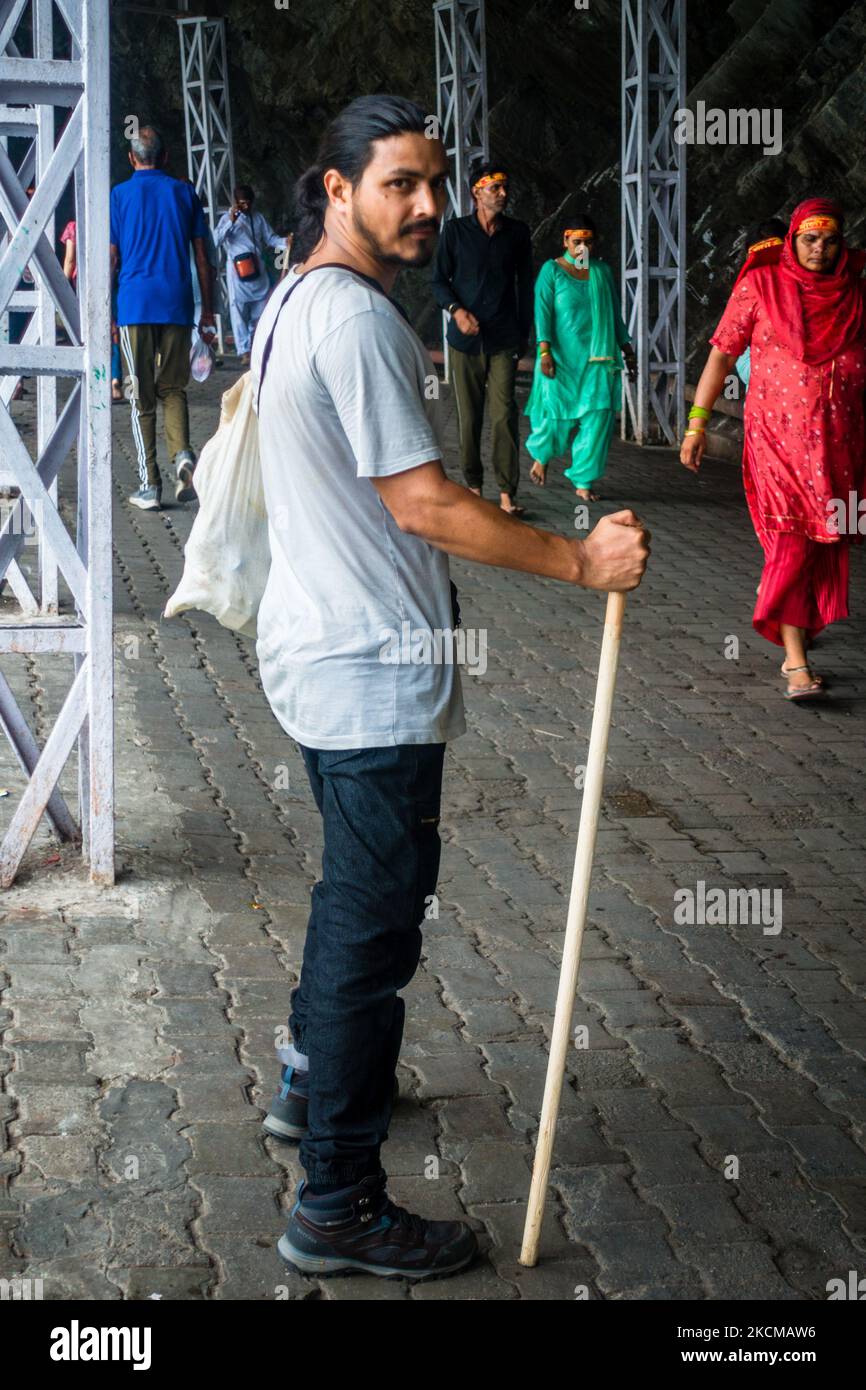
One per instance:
(710, 1142)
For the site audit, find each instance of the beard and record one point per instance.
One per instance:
(416, 256)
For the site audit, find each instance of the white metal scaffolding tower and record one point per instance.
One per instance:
(207, 112)
(653, 217)
(39, 84)
(34, 128)
(461, 99)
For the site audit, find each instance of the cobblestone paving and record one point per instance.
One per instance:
(711, 1134)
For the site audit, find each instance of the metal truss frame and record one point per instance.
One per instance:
(461, 100)
(653, 217)
(35, 126)
(207, 113)
(32, 88)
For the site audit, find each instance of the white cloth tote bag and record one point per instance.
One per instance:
(227, 556)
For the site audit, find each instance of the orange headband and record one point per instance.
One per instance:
(488, 179)
(578, 231)
(762, 245)
(818, 224)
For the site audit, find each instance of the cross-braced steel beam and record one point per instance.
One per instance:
(34, 126)
(207, 112)
(653, 217)
(461, 98)
(37, 83)
(461, 93)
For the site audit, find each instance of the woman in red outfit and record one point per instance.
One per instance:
(804, 318)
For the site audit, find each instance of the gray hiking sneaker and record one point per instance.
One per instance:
(149, 499)
(184, 464)
(287, 1117)
(359, 1230)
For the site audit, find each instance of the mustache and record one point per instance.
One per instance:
(426, 225)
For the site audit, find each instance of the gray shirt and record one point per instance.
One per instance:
(355, 627)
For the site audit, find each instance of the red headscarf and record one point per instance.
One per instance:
(765, 252)
(816, 317)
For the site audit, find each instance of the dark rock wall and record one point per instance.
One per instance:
(555, 108)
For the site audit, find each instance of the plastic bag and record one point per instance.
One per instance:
(200, 359)
(227, 556)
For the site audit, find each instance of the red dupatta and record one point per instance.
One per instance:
(764, 252)
(816, 317)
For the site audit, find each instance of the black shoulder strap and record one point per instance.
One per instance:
(326, 265)
(270, 340)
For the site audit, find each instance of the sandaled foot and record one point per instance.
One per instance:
(586, 494)
(786, 670)
(806, 688)
(538, 473)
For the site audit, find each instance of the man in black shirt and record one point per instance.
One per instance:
(483, 279)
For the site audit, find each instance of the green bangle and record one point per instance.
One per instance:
(544, 352)
(697, 412)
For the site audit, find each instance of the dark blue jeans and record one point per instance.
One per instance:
(380, 808)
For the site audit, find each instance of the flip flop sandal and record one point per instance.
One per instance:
(807, 692)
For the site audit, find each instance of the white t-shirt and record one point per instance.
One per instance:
(344, 401)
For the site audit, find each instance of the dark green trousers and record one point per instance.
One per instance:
(494, 373)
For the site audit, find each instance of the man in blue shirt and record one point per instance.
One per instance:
(154, 221)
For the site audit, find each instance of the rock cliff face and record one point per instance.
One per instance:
(555, 108)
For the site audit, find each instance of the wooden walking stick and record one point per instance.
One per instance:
(575, 922)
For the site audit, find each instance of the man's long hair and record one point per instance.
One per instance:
(347, 145)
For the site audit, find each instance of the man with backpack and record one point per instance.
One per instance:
(361, 520)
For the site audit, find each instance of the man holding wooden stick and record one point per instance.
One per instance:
(350, 454)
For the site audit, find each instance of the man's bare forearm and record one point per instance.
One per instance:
(425, 503)
(457, 521)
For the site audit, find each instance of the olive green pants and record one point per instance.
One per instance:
(494, 373)
(156, 356)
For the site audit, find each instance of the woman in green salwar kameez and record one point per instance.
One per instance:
(582, 340)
